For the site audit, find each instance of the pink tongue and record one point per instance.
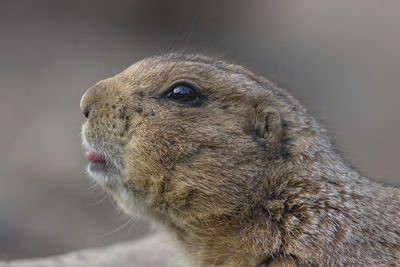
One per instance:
(93, 156)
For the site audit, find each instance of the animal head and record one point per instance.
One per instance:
(182, 137)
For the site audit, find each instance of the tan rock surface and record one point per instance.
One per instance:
(153, 250)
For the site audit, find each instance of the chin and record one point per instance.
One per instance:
(104, 173)
(110, 179)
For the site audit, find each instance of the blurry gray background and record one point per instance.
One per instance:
(339, 58)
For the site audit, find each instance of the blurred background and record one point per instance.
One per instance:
(339, 58)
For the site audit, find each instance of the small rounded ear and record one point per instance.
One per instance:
(269, 126)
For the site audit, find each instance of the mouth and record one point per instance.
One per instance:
(101, 168)
(95, 157)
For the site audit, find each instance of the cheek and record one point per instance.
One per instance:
(164, 144)
(153, 153)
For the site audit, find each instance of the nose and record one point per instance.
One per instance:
(85, 108)
(85, 104)
(89, 98)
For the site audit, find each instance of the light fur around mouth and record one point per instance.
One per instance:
(109, 176)
(106, 173)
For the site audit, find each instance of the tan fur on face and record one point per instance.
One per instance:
(246, 178)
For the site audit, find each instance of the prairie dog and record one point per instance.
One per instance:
(234, 167)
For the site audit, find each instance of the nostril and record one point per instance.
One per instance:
(89, 98)
(86, 111)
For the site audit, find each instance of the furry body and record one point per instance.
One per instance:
(248, 178)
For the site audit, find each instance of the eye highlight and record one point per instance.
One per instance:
(185, 94)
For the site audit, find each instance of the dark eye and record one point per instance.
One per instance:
(185, 94)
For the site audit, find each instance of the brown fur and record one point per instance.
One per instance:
(246, 179)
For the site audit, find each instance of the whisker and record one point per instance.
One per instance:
(113, 231)
(98, 201)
